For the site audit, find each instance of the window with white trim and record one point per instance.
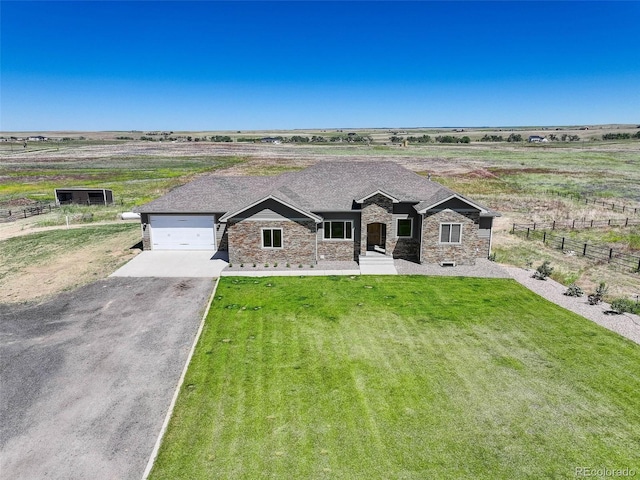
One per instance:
(338, 230)
(271, 238)
(450, 232)
(404, 227)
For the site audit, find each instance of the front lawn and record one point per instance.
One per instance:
(400, 378)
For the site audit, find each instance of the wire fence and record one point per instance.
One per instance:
(11, 214)
(7, 215)
(615, 207)
(579, 224)
(596, 253)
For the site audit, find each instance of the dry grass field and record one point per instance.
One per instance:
(511, 177)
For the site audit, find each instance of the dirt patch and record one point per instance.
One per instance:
(85, 265)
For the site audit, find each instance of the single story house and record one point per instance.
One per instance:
(334, 211)
(83, 196)
(537, 139)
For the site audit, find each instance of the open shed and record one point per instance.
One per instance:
(83, 196)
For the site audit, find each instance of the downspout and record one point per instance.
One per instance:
(490, 238)
(421, 238)
(317, 242)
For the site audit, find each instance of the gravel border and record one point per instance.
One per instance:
(626, 324)
(482, 269)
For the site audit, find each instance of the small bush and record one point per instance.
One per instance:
(492, 257)
(543, 271)
(601, 291)
(625, 305)
(574, 291)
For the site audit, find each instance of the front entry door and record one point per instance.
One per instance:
(376, 236)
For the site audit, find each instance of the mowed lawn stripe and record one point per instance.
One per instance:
(400, 377)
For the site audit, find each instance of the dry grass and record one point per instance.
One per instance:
(510, 178)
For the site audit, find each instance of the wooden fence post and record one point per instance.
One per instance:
(544, 237)
(584, 250)
(610, 254)
(562, 246)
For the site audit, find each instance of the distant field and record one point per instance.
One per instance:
(512, 178)
(400, 377)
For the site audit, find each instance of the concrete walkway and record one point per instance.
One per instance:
(208, 264)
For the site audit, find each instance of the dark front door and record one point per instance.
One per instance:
(376, 236)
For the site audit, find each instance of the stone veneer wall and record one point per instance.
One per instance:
(146, 231)
(405, 248)
(338, 250)
(376, 209)
(465, 253)
(298, 241)
(222, 238)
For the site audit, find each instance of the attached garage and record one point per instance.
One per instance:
(182, 232)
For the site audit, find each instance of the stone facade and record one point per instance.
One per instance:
(146, 236)
(298, 242)
(405, 248)
(222, 238)
(376, 209)
(338, 250)
(471, 247)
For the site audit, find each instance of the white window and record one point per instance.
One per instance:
(271, 238)
(338, 230)
(404, 227)
(450, 232)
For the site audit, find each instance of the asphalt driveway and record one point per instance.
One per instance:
(87, 378)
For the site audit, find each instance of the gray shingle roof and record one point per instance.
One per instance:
(326, 186)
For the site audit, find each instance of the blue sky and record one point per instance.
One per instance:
(121, 65)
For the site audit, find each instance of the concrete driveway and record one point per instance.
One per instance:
(87, 378)
(159, 263)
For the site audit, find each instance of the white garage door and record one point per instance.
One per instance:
(182, 232)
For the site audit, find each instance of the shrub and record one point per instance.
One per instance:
(574, 290)
(623, 305)
(543, 271)
(601, 291)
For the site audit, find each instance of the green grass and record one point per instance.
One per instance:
(133, 179)
(400, 377)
